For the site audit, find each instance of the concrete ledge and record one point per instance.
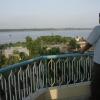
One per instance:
(79, 91)
(38, 95)
(69, 92)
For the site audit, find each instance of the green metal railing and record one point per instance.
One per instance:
(20, 80)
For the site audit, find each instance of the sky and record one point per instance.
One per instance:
(48, 13)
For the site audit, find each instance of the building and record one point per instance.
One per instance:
(10, 51)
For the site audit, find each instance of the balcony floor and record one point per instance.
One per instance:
(80, 91)
(75, 98)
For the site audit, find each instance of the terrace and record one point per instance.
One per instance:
(54, 77)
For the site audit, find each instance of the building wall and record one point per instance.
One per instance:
(9, 51)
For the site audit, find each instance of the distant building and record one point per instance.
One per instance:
(78, 38)
(62, 47)
(81, 41)
(10, 51)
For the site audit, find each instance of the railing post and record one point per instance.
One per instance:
(46, 73)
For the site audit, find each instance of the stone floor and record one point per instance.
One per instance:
(75, 98)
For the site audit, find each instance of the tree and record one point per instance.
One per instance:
(43, 51)
(33, 46)
(53, 51)
(73, 45)
(29, 45)
(23, 56)
(13, 59)
(3, 60)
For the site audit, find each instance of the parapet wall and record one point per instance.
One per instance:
(79, 91)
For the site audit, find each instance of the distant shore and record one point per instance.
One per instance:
(44, 29)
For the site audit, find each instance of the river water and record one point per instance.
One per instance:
(15, 36)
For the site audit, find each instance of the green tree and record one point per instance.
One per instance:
(53, 51)
(43, 51)
(33, 46)
(29, 45)
(3, 60)
(13, 59)
(23, 56)
(73, 44)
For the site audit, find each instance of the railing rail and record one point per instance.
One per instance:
(19, 80)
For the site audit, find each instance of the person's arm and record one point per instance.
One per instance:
(92, 39)
(86, 47)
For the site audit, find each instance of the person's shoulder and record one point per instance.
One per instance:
(97, 27)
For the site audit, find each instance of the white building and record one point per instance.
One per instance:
(10, 51)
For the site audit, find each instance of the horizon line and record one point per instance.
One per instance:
(43, 29)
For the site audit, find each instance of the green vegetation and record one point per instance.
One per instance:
(3, 60)
(73, 44)
(53, 39)
(43, 45)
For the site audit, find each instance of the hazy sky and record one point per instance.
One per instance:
(48, 13)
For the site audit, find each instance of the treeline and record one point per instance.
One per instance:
(40, 45)
(54, 39)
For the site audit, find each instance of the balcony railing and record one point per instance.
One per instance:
(20, 80)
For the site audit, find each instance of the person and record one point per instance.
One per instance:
(94, 40)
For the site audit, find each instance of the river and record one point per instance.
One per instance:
(15, 36)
